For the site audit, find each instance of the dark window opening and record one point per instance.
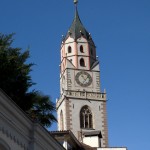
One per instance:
(82, 63)
(81, 49)
(86, 118)
(69, 49)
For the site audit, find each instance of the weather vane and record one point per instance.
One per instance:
(75, 1)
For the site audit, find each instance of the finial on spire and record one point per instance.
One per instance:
(75, 1)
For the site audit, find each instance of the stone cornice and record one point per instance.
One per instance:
(12, 137)
(81, 95)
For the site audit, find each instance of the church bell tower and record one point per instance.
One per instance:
(81, 107)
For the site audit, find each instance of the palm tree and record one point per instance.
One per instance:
(42, 110)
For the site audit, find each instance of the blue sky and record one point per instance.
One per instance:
(121, 32)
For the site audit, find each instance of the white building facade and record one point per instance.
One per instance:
(18, 132)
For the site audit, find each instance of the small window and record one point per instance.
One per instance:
(69, 49)
(81, 49)
(82, 63)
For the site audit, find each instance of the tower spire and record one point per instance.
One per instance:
(79, 83)
(75, 2)
(77, 29)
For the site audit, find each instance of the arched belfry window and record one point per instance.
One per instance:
(81, 49)
(61, 121)
(86, 118)
(69, 49)
(82, 62)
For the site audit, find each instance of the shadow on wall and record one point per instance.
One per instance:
(3, 145)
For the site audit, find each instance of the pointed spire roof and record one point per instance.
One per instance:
(77, 29)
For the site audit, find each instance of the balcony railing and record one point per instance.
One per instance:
(82, 95)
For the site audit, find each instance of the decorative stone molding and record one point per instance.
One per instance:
(13, 138)
(4, 145)
(81, 95)
(85, 95)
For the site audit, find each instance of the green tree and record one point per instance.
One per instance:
(16, 81)
(42, 109)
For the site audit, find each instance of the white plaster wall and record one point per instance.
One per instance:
(82, 39)
(69, 40)
(91, 141)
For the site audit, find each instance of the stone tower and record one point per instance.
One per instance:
(81, 107)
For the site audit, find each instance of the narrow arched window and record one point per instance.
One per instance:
(69, 49)
(82, 63)
(61, 121)
(81, 49)
(86, 118)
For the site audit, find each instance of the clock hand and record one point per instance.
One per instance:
(83, 77)
(85, 80)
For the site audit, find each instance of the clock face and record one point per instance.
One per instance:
(83, 78)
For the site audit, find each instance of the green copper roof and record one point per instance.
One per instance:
(77, 29)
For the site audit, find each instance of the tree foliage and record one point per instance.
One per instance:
(16, 81)
(42, 109)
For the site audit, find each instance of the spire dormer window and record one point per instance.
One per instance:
(69, 49)
(81, 49)
(82, 62)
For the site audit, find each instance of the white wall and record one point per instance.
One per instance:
(91, 141)
(18, 132)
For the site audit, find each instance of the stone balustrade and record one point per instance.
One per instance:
(81, 95)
